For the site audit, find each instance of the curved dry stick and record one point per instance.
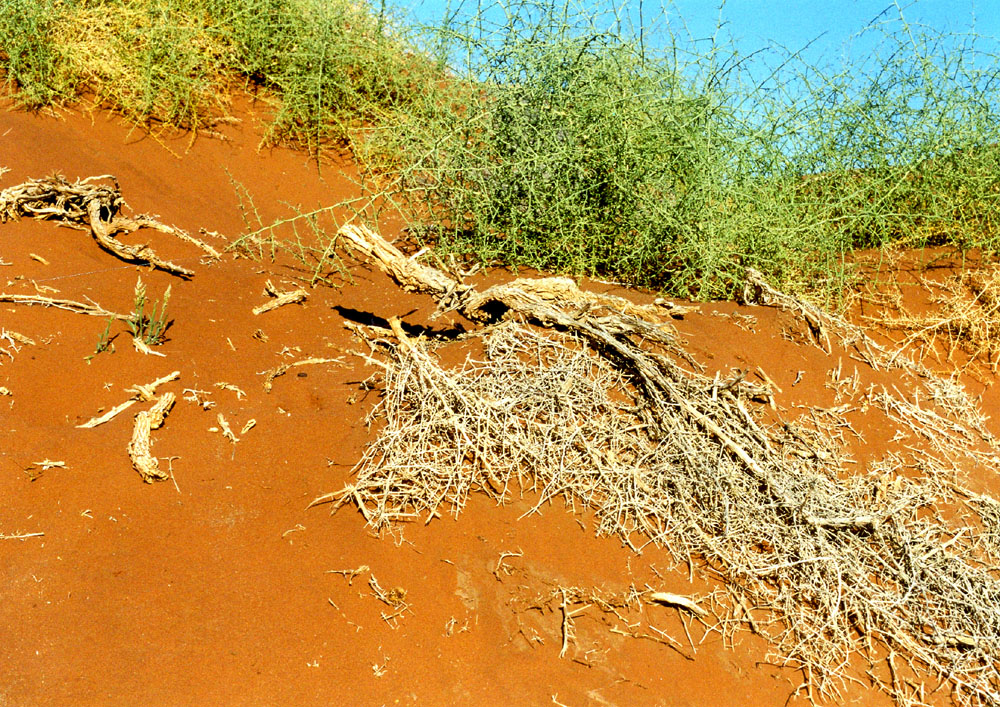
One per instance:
(139, 447)
(103, 233)
(84, 204)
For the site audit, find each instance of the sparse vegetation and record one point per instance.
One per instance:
(105, 342)
(314, 249)
(581, 150)
(327, 65)
(148, 328)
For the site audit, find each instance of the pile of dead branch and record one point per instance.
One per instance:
(592, 400)
(969, 320)
(95, 206)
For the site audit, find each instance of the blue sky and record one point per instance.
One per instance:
(828, 25)
(756, 23)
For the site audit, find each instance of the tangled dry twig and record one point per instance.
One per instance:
(86, 203)
(603, 407)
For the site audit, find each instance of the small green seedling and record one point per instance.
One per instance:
(105, 342)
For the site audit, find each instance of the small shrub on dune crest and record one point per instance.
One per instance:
(326, 64)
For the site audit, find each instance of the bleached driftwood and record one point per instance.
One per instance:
(86, 204)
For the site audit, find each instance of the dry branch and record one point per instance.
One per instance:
(603, 407)
(141, 393)
(759, 291)
(677, 600)
(87, 204)
(139, 452)
(20, 536)
(93, 310)
(14, 336)
(108, 416)
(281, 298)
(531, 297)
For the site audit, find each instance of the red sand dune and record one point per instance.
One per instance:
(218, 589)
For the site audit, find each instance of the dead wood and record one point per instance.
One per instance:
(280, 298)
(140, 393)
(531, 297)
(139, 447)
(87, 204)
(598, 404)
(94, 310)
(759, 291)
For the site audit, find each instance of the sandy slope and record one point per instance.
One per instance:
(217, 589)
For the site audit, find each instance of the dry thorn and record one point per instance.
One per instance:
(350, 574)
(42, 289)
(229, 386)
(284, 368)
(226, 431)
(677, 600)
(144, 349)
(297, 529)
(568, 633)
(193, 395)
(502, 567)
(20, 536)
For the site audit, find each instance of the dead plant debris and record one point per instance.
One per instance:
(139, 447)
(280, 298)
(93, 309)
(140, 393)
(969, 320)
(281, 370)
(20, 536)
(89, 204)
(600, 406)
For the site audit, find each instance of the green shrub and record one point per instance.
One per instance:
(556, 139)
(564, 146)
(27, 54)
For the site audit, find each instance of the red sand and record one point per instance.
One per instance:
(218, 590)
